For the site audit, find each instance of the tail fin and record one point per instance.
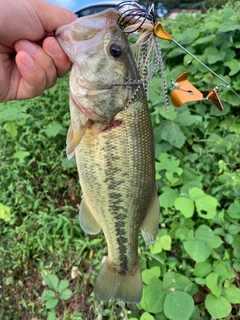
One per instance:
(112, 286)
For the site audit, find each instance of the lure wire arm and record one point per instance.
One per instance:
(161, 33)
(175, 85)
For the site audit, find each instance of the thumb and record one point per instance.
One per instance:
(52, 16)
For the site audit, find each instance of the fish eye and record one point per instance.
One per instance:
(115, 51)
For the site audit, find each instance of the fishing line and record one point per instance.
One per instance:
(147, 51)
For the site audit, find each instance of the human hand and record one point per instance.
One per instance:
(30, 58)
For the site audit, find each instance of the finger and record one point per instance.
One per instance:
(6, 68)
(41, 58)
(32, 80)
(52, 16)
(59, 57)
(36, 67)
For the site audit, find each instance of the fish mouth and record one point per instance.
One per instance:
(79, 35)
(90, 114)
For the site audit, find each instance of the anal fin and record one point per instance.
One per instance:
(87, 221)
(150, 224)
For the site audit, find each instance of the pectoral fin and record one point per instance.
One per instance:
(74, 138)
(87, 221)
(150, 224)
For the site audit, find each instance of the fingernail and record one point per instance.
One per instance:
(28, 61)
(28, 46)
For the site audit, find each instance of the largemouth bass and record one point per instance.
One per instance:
(112, 138)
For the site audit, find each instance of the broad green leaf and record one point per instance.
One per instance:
(232, 294)
(51, 303)
(195, 314)
(173, 177)
(155, 296)
(206, 205)
(235, 127)
(66, 294)
(201, 269)
(216, 143)
(165, 242)
(156, 247)
(176, 282)
(203, 40)
(54, 129)
(186, 119)
(50, 297)
(200, 281)
(51, 281)
(236, 266)
(178, 305)
(213, 55)
(223, 269)
(162, 147)
(185, 206)
(228, 14)
(189, 177)
(196, 193)
(212, 282)
(143, 304)
(168, 197)
(175, 52)
(197, 250)
(229, 25)
(51, 315)
(168, 163)
(161, 243)
(173, 134)
(187, 36)
(21, 155)
(187, 60)
(149, 274)
(233, 65)
(5, 213)
(228, 238)
(47, 294)
(146, 316)
(206, 235)
(236, 244)
(63, 284)
(12, 113)
(11, 128)
(171, 115)
(233, 229)
(236, 251)
(217, 307)
(182, 233)
(211, 25)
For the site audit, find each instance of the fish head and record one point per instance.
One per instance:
(102, 64)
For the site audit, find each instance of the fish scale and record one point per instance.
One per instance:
(112, 139)
(122, 166)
